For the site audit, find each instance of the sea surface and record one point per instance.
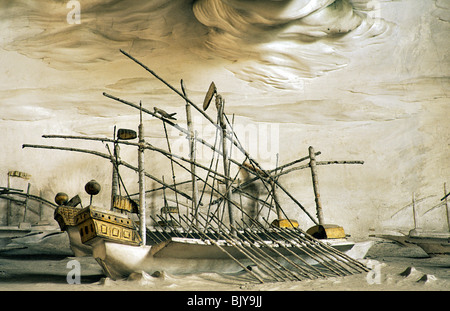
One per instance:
(393, 268)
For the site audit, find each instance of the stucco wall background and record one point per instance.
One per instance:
(358, 80)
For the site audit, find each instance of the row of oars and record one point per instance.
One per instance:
(280, 254)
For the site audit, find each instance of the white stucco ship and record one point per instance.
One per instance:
(207, 237)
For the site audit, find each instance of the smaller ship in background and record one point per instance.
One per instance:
(432, 242)
(27, 231)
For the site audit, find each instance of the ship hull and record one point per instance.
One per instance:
(432, 246)
(76, 245)
(114, 242)
(120, 260)
(432, 243)
(185, 256)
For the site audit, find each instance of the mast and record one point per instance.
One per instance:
(26, 203)
(115, 173)
(315, 180)
(8, 206)
(141, 172)
(191, 154)
(446, 206)
(220, 104)
(275, 197)
(414, 209)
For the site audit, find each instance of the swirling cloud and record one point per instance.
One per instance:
(275, 43)
(284, 41)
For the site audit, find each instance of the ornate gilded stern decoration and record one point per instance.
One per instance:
(66, 211)
(95, 224)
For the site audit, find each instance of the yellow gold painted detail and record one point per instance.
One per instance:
(65, 216)
(285, 223)
(19, 174)
(169, 209)
(327, 232)
(125, 204)
(93, 224)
